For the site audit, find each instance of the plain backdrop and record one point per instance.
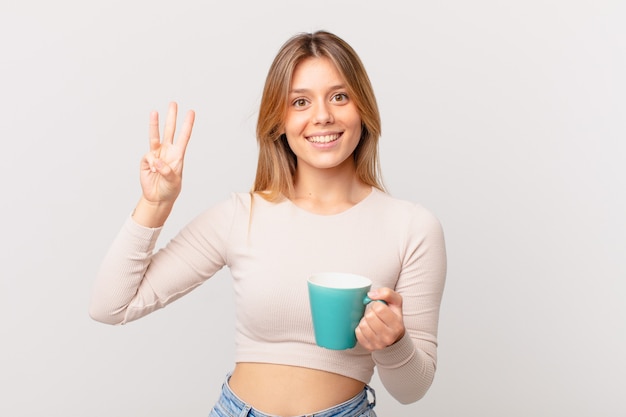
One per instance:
(507, 119)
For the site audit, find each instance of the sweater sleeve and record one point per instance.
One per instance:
(134, 280)
(407, 367)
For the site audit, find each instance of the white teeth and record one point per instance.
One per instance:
(323, 139)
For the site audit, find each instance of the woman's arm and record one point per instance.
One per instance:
(121, 277)
(402, 335)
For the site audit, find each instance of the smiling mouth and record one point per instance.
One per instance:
(323, 138)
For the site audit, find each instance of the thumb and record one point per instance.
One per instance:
(392, 298)
(164, 170)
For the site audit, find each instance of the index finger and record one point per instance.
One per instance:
(386, 294)
(185, 132)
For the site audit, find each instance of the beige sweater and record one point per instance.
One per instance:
(271, 249)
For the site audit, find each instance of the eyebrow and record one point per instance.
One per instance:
(306, 90)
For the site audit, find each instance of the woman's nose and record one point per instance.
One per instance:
(323, 114)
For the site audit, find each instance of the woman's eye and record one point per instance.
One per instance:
(299, 102)
(340, 97)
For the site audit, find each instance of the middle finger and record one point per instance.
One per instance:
(170, 123)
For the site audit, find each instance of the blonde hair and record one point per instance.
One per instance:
(277, 163)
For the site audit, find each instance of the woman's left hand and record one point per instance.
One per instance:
(382, 325)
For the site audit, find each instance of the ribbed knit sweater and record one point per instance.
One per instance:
(271, 249)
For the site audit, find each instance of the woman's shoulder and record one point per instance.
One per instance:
(237, 203)
(225, 207)
(417, 223)
(400, 206)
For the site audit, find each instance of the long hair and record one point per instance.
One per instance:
(277, 163)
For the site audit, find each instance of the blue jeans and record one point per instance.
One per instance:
(229, 405)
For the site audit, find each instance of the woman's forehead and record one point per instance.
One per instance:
(315, 72)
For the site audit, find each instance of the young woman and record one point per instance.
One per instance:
(317, 205)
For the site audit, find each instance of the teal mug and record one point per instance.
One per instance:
(338, 303)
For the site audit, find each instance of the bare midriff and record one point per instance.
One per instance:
(290, 390)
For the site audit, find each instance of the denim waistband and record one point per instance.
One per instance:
(229, 405)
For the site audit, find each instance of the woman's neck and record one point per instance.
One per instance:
(328, 191)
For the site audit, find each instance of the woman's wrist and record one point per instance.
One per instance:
(152, 214)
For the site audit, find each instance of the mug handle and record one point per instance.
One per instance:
(368, 300)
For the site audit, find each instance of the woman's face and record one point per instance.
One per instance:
(323, 125)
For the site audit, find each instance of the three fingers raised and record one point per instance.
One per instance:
(170, 128)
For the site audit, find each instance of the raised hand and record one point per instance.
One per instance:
(161, 169)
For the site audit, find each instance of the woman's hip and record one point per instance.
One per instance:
(230, 405)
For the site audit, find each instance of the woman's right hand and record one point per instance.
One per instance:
(162, 167)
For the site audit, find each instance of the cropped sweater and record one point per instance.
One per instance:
(271, 249)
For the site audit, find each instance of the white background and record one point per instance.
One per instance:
(506, 119)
